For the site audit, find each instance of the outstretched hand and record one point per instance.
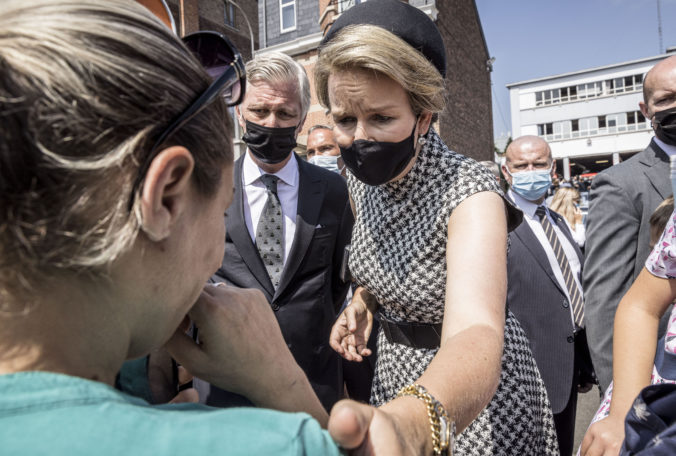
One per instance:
(366, 430)
(350, 333)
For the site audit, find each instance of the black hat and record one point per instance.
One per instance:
(406, 21)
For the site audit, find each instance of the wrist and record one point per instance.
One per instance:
(368, 299)
(441, 428)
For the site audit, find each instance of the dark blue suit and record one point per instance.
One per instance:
(541, 306)
(310, 292)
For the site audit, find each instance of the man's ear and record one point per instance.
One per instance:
(424, 122)
(300, 126)
(644, 110)
(166, 191)
(240, 117)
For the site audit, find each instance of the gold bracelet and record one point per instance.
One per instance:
(443, 429)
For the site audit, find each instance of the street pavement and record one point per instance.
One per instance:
(587, 404)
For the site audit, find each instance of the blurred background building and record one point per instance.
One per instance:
(590, 118)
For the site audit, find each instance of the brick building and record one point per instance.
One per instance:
(296, 28)
(232, 18)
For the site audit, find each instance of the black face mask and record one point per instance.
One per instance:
(665, 125)
(374, 162)
(268, 144)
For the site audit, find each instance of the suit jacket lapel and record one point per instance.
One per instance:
(655, 169)
(237, 231)
(528, 238)
(310, 198)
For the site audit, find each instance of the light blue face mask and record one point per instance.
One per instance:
(328, 162)
(532, 185)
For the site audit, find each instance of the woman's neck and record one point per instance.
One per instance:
(64, 331)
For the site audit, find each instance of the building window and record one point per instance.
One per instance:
(636, 121)
(589, 126)
(589, 90)
(229, 14)
(287, 15)
(546, 130)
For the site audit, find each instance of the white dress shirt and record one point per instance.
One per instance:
(533, 221)
(255, 196)
(668, 148)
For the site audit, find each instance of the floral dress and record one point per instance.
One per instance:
(661, 263)
(399, 256)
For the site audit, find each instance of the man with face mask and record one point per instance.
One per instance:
(622, 199)
(287, 227)
(544, 286)
(323, 150)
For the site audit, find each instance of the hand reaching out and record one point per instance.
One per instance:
(350, 333)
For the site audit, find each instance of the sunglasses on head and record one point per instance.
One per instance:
(225, 65)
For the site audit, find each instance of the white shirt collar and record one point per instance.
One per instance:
(668, 148)
(527, 207)
(252, 173)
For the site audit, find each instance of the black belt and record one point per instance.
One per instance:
(416, 335)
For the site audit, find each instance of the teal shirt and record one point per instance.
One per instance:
(54, 414)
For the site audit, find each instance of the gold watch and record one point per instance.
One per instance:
(443, 428)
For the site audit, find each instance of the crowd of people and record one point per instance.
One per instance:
(384, 297)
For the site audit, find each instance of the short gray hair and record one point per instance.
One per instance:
(85, 87)
(276, 67)
(319, 127)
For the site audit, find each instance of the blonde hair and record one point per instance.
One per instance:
(85, 87)
(564, 201)
(659, 219)
(373, 48)
(276, 67)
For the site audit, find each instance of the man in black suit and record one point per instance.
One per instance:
(287, 227)
(622, 199)
(544, 291)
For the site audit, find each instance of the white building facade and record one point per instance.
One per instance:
(590, 118)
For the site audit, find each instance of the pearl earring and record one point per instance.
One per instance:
(422, 140)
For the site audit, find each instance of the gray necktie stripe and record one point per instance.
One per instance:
(269, 233)
(568, 278)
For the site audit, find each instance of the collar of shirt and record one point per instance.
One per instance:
(527, 207)
(251, 173)
(669, 149)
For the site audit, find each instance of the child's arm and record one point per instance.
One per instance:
(634, 343)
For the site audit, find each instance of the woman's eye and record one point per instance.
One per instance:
(345, 120)
(380, 118)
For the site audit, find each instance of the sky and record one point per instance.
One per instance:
(536, 38)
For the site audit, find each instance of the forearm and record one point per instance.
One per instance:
(634, 346)
(465, 372)
(292, 393)
(463, 376)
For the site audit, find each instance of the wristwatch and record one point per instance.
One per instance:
(443, 428)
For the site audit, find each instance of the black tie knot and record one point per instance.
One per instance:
(270, 182)
(541, 212)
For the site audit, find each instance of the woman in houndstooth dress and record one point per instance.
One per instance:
(429, 248)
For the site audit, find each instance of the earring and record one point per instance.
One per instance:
(422, 140)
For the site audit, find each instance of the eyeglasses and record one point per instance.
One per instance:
(224, 63)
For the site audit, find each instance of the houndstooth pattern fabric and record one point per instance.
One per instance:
(399, 255)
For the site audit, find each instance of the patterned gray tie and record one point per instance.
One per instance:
(573, 291)
(269, 234)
